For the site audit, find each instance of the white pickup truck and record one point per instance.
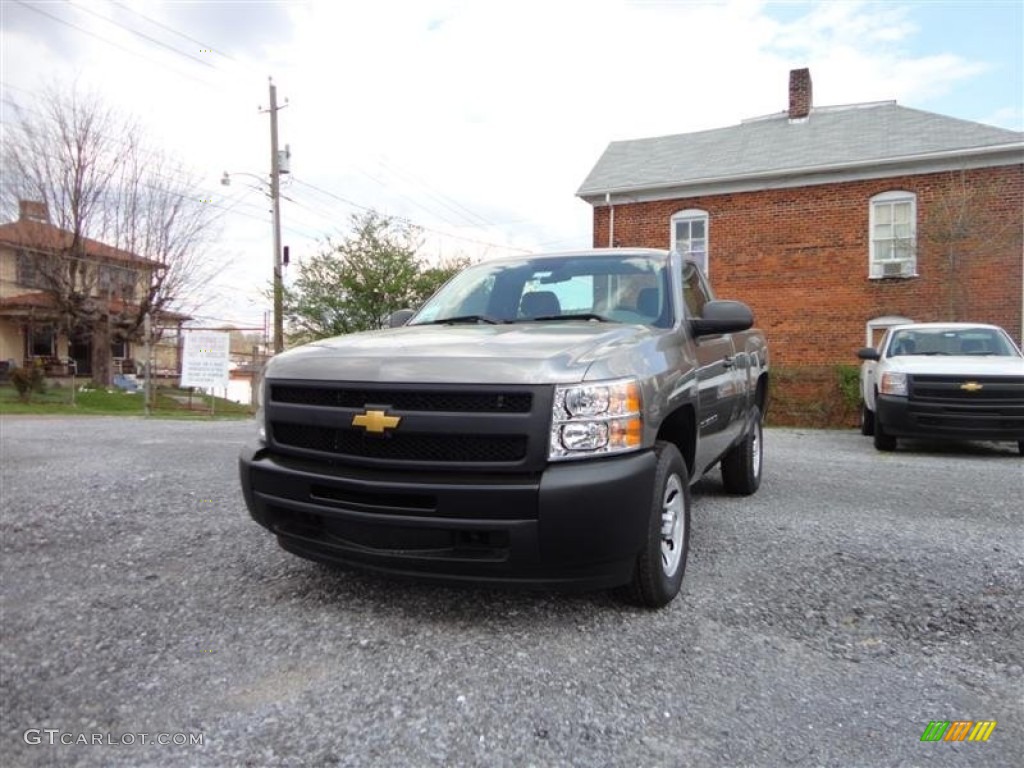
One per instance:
(948, 381)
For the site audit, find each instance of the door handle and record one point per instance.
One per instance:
(729, 362)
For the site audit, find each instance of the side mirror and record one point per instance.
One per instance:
(400, 317)
(868, 353)
(722, 316)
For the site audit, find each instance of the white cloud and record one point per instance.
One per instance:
(475, 118)
(1011, 118)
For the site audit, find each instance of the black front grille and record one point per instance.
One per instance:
(400, 446)
(404, 400)
(968, 390)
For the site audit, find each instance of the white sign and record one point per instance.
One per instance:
(205, 360)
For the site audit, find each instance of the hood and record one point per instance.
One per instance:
(957, 365)
(524, 353)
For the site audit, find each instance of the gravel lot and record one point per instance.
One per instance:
(824, 621)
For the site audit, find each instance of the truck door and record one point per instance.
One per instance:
(719, 385)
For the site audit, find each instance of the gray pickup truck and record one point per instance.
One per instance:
(539, 421)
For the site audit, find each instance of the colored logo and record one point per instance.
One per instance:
(375, 421)
(958, 730)
(971, 386)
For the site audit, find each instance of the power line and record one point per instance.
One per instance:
(184, 175)
(410, 221)
(141, 34)
(191, 39)
(455, 206)
(177, 181)
(233, 208)
(419, 205)
(21, 108)
(111, 42)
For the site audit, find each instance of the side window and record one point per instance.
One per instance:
(893, 235)
(41, 340)
(695, 295)
(118, 280)
(690, 236)
(28, 274)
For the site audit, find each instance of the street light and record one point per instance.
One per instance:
(225, 180)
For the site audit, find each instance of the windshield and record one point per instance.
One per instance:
(951, 341)
(626, 288)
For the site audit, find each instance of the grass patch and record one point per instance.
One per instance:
(168, 404)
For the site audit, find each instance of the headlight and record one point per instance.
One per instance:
(893, 384)
(595, 419)
(261, 399)
(261, 425)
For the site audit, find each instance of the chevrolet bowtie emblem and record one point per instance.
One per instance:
(375, 421)
(971, 386)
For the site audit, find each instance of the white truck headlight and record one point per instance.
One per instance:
(595, 419)
(893, 384)
(261, 413)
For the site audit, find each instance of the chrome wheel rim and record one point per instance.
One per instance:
(755, 449)
(673, 523)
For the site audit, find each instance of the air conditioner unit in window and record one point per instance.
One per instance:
(896, 268)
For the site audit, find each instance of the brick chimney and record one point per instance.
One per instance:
(33, 210)
(800, 99)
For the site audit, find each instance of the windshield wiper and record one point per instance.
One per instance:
(468, 319)
(578, 316)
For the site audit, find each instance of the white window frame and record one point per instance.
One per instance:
(883, 324)
(877, 262)
(692, 215)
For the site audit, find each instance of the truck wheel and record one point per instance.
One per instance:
(741, 466)
(883, 440)
(867, 420)
(662, 561)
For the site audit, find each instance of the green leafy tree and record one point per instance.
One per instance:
(357, 282)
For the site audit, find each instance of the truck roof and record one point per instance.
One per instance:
(937, 326)
(608, 252)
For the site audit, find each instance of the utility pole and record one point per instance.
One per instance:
(275, 196)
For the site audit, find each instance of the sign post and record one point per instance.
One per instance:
(205, 361)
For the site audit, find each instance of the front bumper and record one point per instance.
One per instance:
(576, 524)
(904, 417)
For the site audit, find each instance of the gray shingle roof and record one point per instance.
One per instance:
(831, 136)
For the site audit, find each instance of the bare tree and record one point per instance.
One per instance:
(101, 181)
(968, 218)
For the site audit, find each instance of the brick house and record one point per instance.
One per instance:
(34, 329)
(832, 223)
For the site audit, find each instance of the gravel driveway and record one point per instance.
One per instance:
(824, 621)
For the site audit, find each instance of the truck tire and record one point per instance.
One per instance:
(867, 420)
(741, 466)
(883, 440)
(661, 563)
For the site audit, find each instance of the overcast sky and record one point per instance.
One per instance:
(479, 120)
